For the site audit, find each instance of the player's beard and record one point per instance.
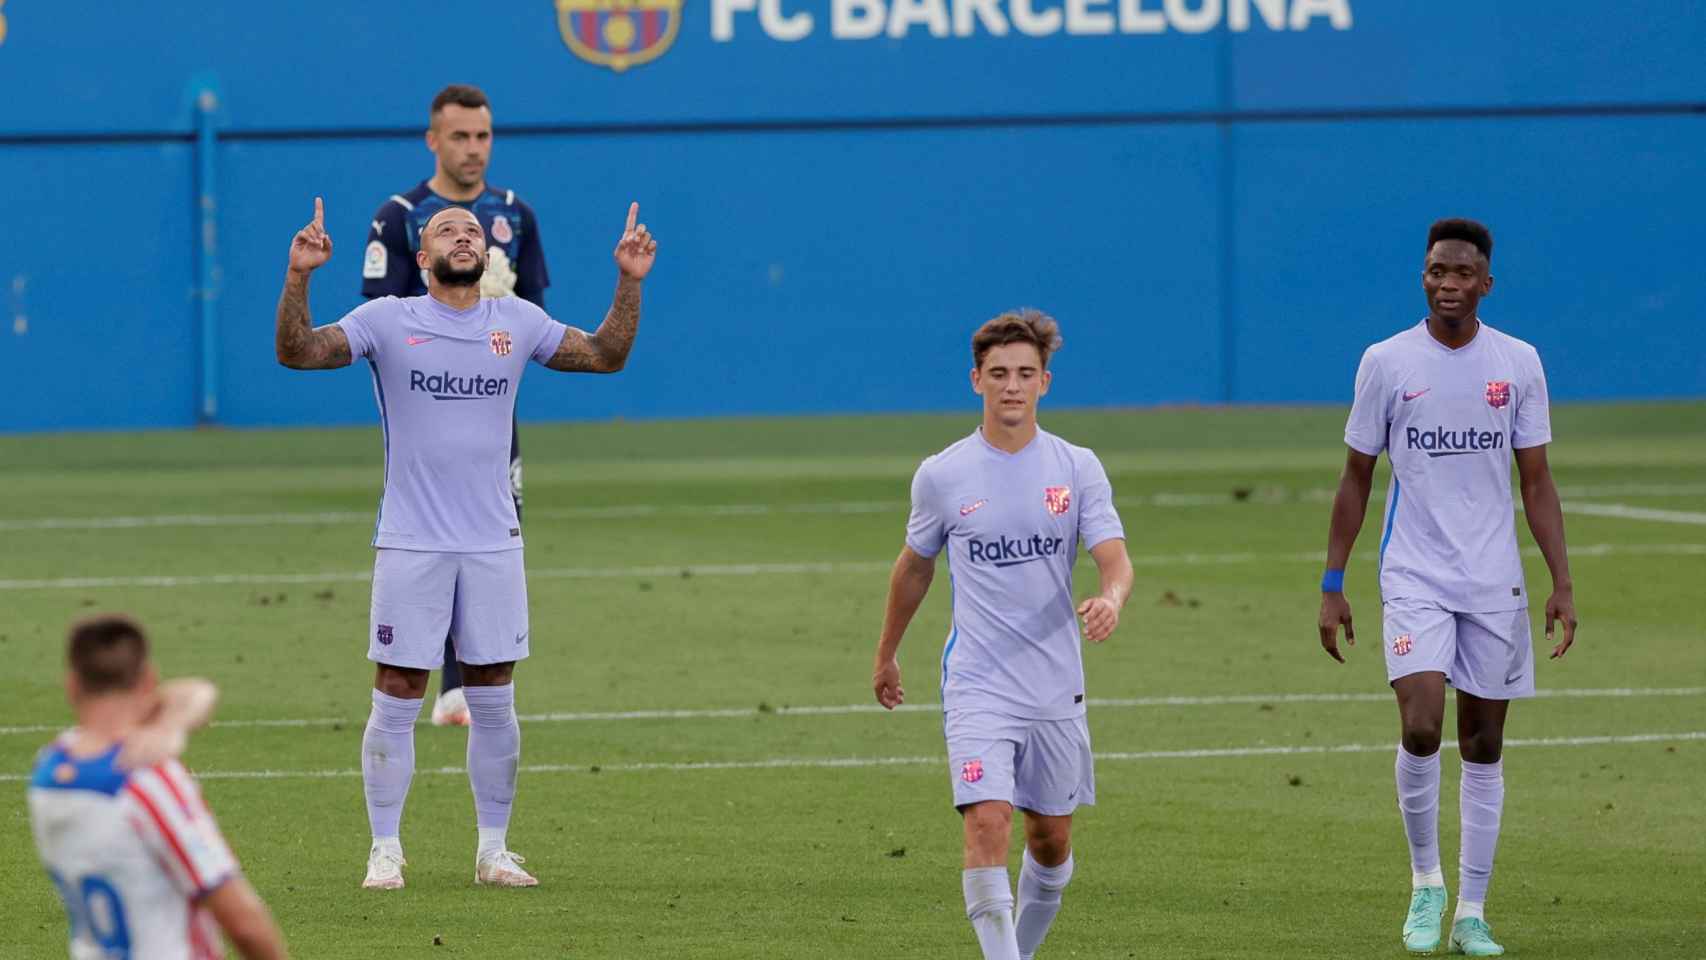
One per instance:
(448, 275)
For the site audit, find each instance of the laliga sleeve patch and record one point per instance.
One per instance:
(373, 266)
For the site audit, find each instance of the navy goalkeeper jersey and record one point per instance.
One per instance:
(515, 261)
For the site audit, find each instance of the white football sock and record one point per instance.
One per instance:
(1039, 900)
(1418, 802)
(388, 761)
(989, 906)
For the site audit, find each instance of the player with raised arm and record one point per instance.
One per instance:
(121, 825)
(1451, 401)
(1011, 503)
(446, 368)
(459, 134)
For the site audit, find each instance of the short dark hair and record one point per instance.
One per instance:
(107, 653)
(1026, 325)
(461, 94)
(1458, 228)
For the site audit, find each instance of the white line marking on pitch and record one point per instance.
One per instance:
(842, 763)
(1257, 495)
(1627, 512)
(830, 710)
(751, 569)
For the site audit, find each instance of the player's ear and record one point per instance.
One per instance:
(150, 678)
(1487, 285)
(1042, 388)
(976, 381)
(73, 689)
(421, 257)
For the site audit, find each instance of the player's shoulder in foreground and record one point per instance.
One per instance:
(57, 770)
(951, 454)
(1404, 340)
(400, 204)
(1509, 343)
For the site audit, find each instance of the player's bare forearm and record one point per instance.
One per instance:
(246, 921)
(909, 582)
(185, 704)
(299, 345)
(606, 349)
(1113, 565)
(1350, 503)
(1545, 513)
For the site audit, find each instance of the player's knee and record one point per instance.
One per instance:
(988, 825)
(1050, 850)
(1482, 746)
(487, 674)
(404, 683)
(1421, 736)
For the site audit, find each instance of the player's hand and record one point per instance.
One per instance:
(151, 744)
(1561, 606)
(312, 246)
(637, 248)
(1100, 618)
(1335, 609)
(885, 680)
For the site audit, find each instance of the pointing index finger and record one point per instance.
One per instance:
(319, 212)
(633, 215)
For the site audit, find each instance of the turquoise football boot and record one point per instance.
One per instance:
(1421, 927)
(1473, 938)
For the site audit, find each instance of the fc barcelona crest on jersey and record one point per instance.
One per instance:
(500, 342)
(1401, 644)
(619, 33)
(1498, 393)
(1058, 500)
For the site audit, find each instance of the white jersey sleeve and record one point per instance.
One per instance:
(926, 533)
(178, 828)
(357, 326)
(1098, 521)
(1371, 412)
(1532, 424)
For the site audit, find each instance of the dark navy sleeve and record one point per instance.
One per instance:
(387, 266)
(531, 277)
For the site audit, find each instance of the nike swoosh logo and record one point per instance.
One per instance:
(968, 511)
(417, 341)
(1511, 680)
(1408, 396)
(520, 637)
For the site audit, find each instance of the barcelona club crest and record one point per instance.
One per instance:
(619, 33)
(1058, 500)
(500, 342)
(1498, 393)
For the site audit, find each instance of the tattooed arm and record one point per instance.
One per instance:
(605, 350)
(299, 346)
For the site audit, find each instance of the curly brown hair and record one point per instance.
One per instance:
(1026, 325)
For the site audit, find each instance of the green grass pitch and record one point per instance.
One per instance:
(735, 571)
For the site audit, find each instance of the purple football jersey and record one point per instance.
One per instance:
(1012, 523)
(445, 381)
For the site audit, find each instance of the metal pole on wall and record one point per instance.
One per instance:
(207, 250)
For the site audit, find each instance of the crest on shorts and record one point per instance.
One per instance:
(1498, 393)
(1401, 644)
(971, 771)
(501, 231)
(619, 33)
(1058, 500)
(383, 634)
(500, 342)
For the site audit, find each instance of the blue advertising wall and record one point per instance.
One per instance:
(1221, 200)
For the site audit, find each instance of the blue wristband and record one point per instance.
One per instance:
(1333, 581)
